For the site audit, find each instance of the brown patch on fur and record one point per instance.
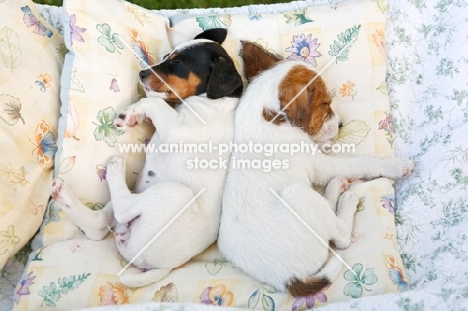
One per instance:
(256, 59)
(308, 287)
(182, 87)
(310, 108)
(268, 115)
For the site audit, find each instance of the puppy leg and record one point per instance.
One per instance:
(359, 168)
(347, 205)
(126, 205)
(93, 223)
(335, 188)
(134, 277)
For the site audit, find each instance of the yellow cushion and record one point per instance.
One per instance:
(31, 55)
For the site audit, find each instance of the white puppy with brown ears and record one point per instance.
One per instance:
(258, 233)
(201, 72)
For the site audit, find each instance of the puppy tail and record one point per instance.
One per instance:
(134, 277)
(307, 287)
(317, 282)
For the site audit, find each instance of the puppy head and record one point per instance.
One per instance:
(302, 94)
(305, 100)
(193, 68)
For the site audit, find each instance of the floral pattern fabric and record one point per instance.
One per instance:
(430, 123)
(318, 35)
(428, 95)
(29, 108)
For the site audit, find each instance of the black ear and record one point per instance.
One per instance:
(215, 34)
(224, 80)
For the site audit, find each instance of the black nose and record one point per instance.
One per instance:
(340, 125)
(144, 74)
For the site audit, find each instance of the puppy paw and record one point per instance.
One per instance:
(129, 117)
(56, 188)
(398, 168)
(116, 167)
(61, 194)
(335, 188)
(340, 184)
(348, 202)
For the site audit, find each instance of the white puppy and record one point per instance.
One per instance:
(258, 231)
(167, 183)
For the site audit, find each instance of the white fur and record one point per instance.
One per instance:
(151, 93)
(257, 232)
(189, 44)
(161, 196)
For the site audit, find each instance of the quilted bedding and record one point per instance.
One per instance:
(427, 74)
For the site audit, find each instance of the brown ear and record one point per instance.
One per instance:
(256, 59)
(304, 97)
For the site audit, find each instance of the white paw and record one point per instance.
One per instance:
(398, 168)
(340, 184)
(116, 167)
(129, 117)
(61, 194)
(349, 201)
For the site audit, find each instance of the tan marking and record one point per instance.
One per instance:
(182, 87)
(312, 107)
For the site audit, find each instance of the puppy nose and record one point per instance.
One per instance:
(340, 125)
(144, 74)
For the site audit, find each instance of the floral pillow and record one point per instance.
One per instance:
(345, 42)
(110, 41)
(344, 39)
(31, 56)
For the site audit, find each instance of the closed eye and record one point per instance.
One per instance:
(176, 61)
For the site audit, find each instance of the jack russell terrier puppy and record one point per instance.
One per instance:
(201, 72)
(258, 232)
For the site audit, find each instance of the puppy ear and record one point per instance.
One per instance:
(306, 108)
(224, 80)
(215, 34)
(256, 59)
(296, 105)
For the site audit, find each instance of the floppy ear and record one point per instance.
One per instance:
(224, 80)
(310, 108)
(256, 59)
(296, 106)
(215, 34)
